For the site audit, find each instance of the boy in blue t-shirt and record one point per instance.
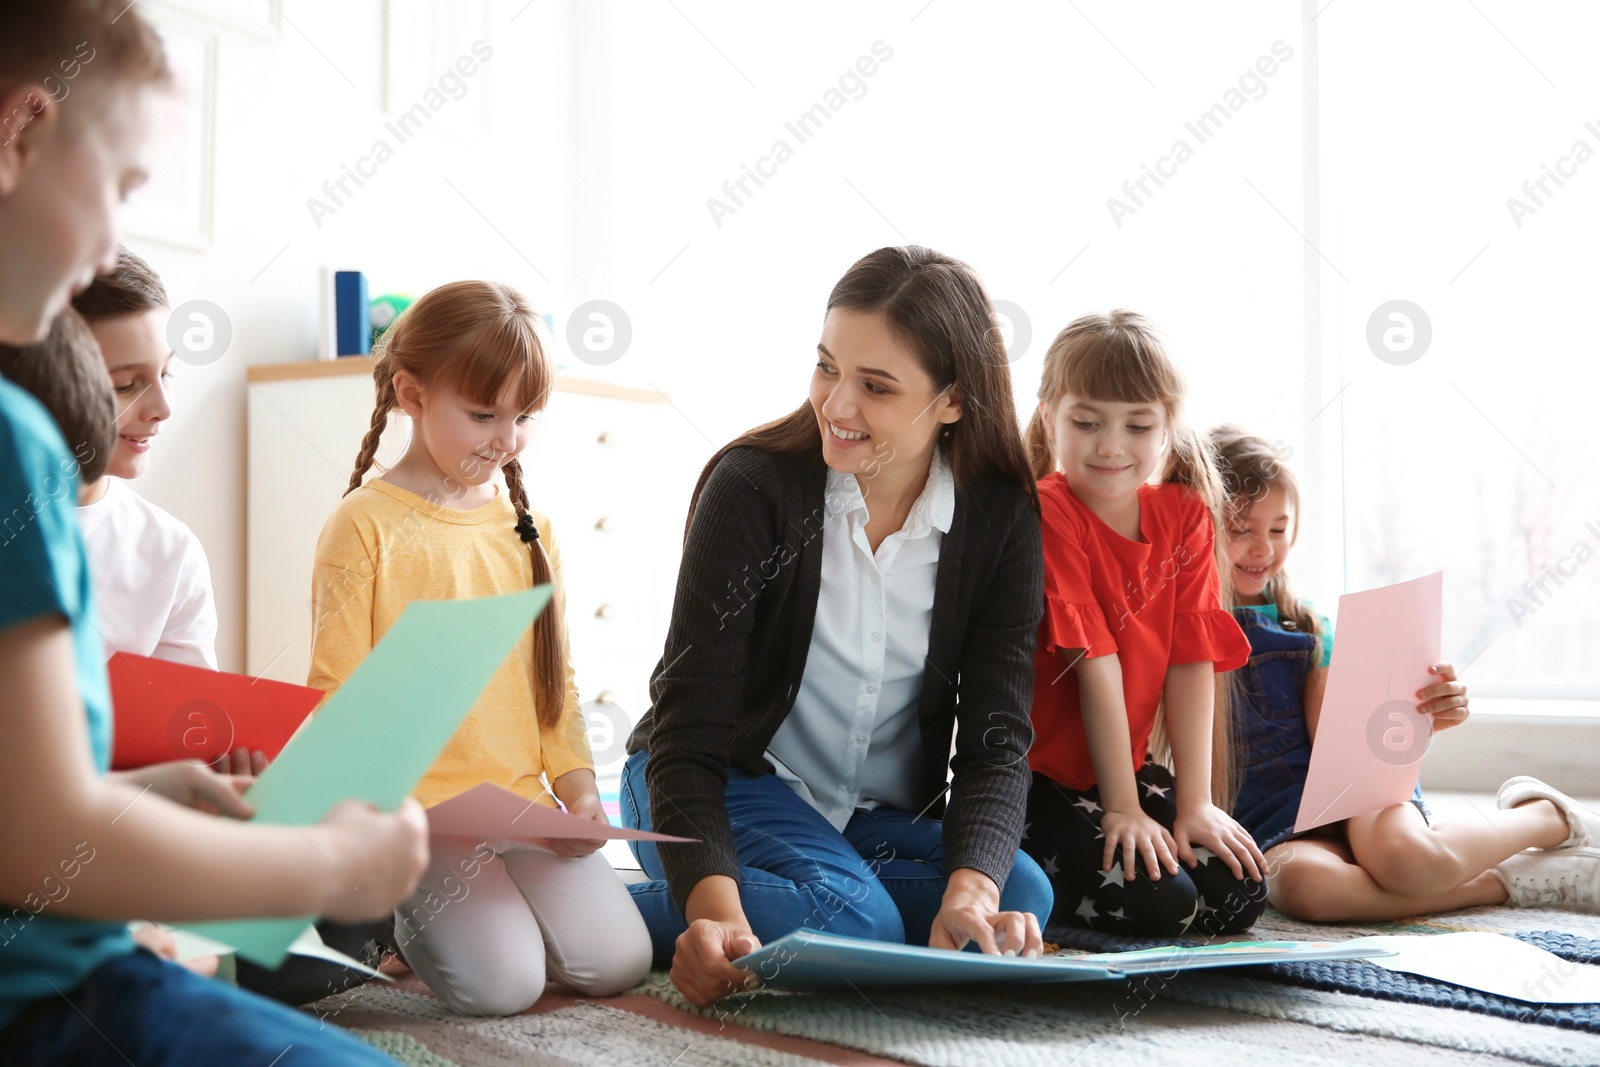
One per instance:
(85, 850)
(43, 571)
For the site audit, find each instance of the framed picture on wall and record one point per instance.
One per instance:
(174, 206)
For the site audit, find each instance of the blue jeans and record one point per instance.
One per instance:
(883, 878)
(143, 1010)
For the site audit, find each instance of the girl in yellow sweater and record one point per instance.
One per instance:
(489, 921)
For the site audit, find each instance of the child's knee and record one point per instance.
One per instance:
(618, 964)
(1177, 908)
(1304, 890)
(612, 963)
(1169, 907)
(490, 995)
(1403, 856)
(1230, 909)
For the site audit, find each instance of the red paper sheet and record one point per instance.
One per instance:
(168, 711)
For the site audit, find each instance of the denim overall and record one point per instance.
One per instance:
(1273, 746)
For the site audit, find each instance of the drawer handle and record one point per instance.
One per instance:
(606, 438)
(605, 524)
(605, 611)
(605, 696)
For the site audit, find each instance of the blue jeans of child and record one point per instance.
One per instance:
(141, 1009)
(882, 878)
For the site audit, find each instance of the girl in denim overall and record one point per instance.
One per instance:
(1540, 848)
(1275, 744)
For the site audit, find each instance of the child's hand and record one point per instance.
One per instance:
(1137, 834)
(241, 762)
(165, 945)
(1447, 701)
(192, 784)
(584, 806)
(1210, 826)
(156, 940)
(578, 793)
(374, 858)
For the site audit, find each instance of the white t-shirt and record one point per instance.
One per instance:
(853, 739)
(152, 585)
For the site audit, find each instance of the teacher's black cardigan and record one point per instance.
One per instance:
(741, 628)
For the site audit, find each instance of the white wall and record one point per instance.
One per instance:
(993, 133)
(289, 114)
(997, 133)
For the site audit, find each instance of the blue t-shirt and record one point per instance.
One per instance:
(44, 571)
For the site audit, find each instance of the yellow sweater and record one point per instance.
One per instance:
(384, 547)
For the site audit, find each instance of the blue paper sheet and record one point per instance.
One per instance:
(806, 959)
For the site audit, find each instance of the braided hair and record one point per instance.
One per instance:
(476, 337)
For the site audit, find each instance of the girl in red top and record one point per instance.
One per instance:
(1133, 623)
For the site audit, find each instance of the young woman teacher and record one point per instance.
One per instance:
(850, 571)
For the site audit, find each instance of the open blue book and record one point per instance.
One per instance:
(806, 959)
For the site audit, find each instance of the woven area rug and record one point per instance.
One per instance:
(1218, 1019)
(409, 1024)
(1231, 1017)
(1206, 1017)
(1372, 980)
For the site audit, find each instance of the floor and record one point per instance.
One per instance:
(683, 1039)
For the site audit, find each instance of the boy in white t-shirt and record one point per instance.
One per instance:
(151, 578)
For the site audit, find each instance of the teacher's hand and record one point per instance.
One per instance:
(718, 934)
(700, 965)
(970, 911)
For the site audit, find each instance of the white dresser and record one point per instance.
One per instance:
(607, 464)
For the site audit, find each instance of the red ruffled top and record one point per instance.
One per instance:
(1156, 603)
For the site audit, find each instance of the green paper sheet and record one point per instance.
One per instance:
(191, 945)
(377, 736)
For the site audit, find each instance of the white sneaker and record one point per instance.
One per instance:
(1565, 878)
(1583, 824)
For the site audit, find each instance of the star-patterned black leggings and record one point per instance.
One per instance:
(1063, 834)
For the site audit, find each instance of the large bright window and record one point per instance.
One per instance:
(1460, 173)
(1297, 195)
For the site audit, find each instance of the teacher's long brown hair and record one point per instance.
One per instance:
(938, 306)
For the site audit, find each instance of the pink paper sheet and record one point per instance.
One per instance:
(1370, 738)
(488, 811)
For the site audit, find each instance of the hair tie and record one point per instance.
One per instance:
(526, 529)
